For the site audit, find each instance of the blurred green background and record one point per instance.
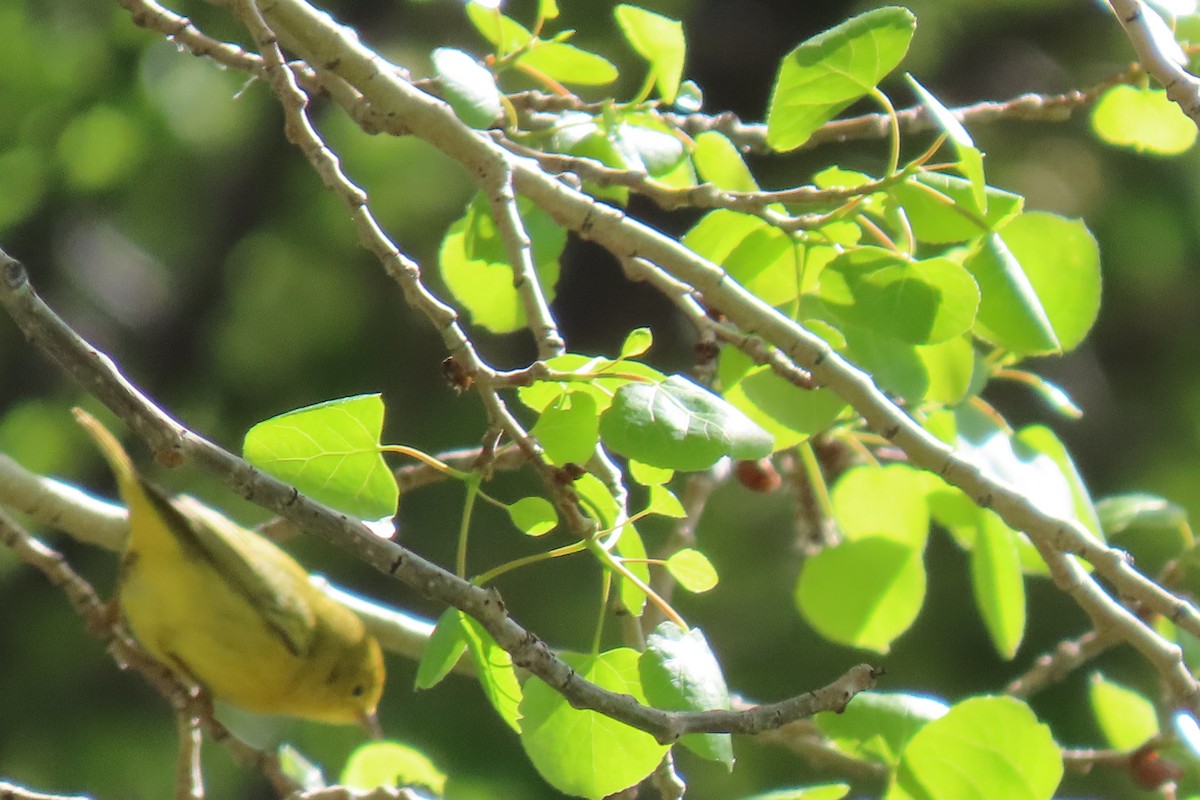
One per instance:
(160, 211)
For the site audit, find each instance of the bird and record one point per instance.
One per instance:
(231, 612)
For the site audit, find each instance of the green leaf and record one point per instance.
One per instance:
(768, 262)
(981, 749)
(505, 33)
(882, 501)
(568, 429)
(330, 452)
(1152, 529)
(998, 584)
(442, 650)
(920, 302)
(785, 411)
(474, 263)
(1014, 462)
(660, 41)
(827, 73)
(646, 144)
(1061, 262)
(941, 373)
(647, 475)
(877, 725)
(826, 791)
(942, 208)
(662, 501)
(468, 87)
(678, 424)
(393, 765)
(566, 63)
(692, 570)
(593, 380)
(718, 161)
(970, 160)
(535, 516)
(1040, 439)
(637, 342)
(1143, 119)
(1127, 719)
(584, 753)
(497, 677)
(863, 593)
(680, 673)
(1010, 312)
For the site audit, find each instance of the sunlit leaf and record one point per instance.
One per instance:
(981, 749)
(568, 64)
(719, 163)
(1040, 281)
(1143, 119)
(877, 725)
(533, 515)
(568, 429)
(474, 263)
(692, 570)
(330, 452)
(584, 753)
(392, 765)
(1127, 719)
(677, 424)
(660, 41)
(942, 208)
(863, 593)
(998, 584)
(970, 160)
(469, 88)
(919, 302)
(831, 70)
(882, 501)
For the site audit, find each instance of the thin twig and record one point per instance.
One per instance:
(1067, 656)
(498, 189)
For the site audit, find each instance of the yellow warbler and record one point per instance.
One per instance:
(232, 612)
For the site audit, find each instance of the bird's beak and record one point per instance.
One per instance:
(370, 723)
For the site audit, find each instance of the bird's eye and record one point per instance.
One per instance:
(358, 690)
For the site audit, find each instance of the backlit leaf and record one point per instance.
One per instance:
(330, 452)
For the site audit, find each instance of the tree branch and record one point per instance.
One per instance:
(174, 444)
(319, 39)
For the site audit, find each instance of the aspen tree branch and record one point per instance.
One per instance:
(319, 39)
(174, 444)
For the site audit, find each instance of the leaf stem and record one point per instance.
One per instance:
(508, 566)
(460, 555)
(816, 478)
(613, 563)
(893, 130)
